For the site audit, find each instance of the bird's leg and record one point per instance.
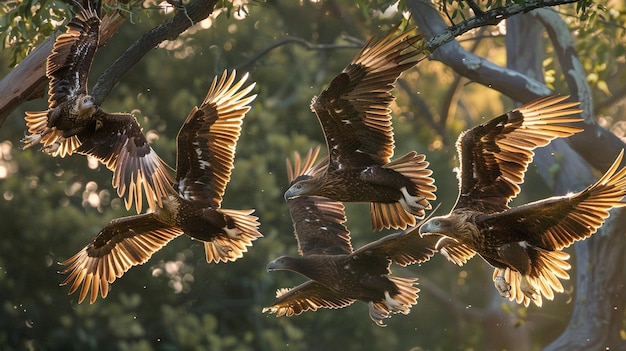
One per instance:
(52, 148)
(377, 315)
(395, 306)
(501, 284)
(527, 288)
(232, 233)
(223, 251)
(411, 200)
(30, 140)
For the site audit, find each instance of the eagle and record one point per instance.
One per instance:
(73, 121)
(354, 113)
(523, 243)
(338, 275)
(205, 156)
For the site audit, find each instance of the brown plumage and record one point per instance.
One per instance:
(338, 275)
(206, 151)
(354, 114)
(522, 243)
(74, 123)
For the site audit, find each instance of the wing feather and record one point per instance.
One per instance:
(354, 111)
(318, 221)
(208, 138)
(404, 248)
(69, 63)
(308, 296)
(495, 155)
(121, 244)
(557, 222)
(118, 142)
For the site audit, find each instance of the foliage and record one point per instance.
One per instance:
(178, 301)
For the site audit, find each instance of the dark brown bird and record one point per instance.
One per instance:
(354, 114)
(206, 151)
(522, 243)
(74, 123)
(338, 275)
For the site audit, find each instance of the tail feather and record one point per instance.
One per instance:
(390, 215)
(548, 269)
(52, 139)
(416, 199)
(226, 248)
(400, 302)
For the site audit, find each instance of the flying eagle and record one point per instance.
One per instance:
(354, 113)
(338, 275)
(74, 123)
(523, 243)
(206, 151)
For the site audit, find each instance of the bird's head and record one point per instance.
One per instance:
(442, 225)
(281, 263)
(301, 188)
(85, 105)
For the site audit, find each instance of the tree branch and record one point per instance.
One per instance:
(28, 80)
(185, 17)
(486, 18)
(595, 144)
(302, 42)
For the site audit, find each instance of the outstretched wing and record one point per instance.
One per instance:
(318, 221)
(208, 138)
(557, 222)
(69, 64)
(495, 155)
(404, 248)
(121, 244)
(354, 111)
(308, 296)
(118, 142)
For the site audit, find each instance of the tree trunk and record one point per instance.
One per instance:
(599, 304)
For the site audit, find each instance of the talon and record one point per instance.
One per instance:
(30, 140)
(395, 306)
(232, 233)
(528, 290)
(503, 287)
(411, 201)
(52, 148)
(376, 315)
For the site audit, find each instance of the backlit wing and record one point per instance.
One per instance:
(354, 111)
(404, 248)
(69, 64)
(557, 222)
(308, 296)
(208, 138)
(318, 221)
(495, 155)
(118, 142)
(123, 243)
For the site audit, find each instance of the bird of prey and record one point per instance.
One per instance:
(523, 243)
(354, 113)
(338, 275)
(206, 151)
(74, 123)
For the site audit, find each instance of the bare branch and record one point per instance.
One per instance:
(185, 17)
(490, 17)
(595, 144)
(302, 42)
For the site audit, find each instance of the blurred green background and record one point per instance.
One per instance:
(52, 207)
